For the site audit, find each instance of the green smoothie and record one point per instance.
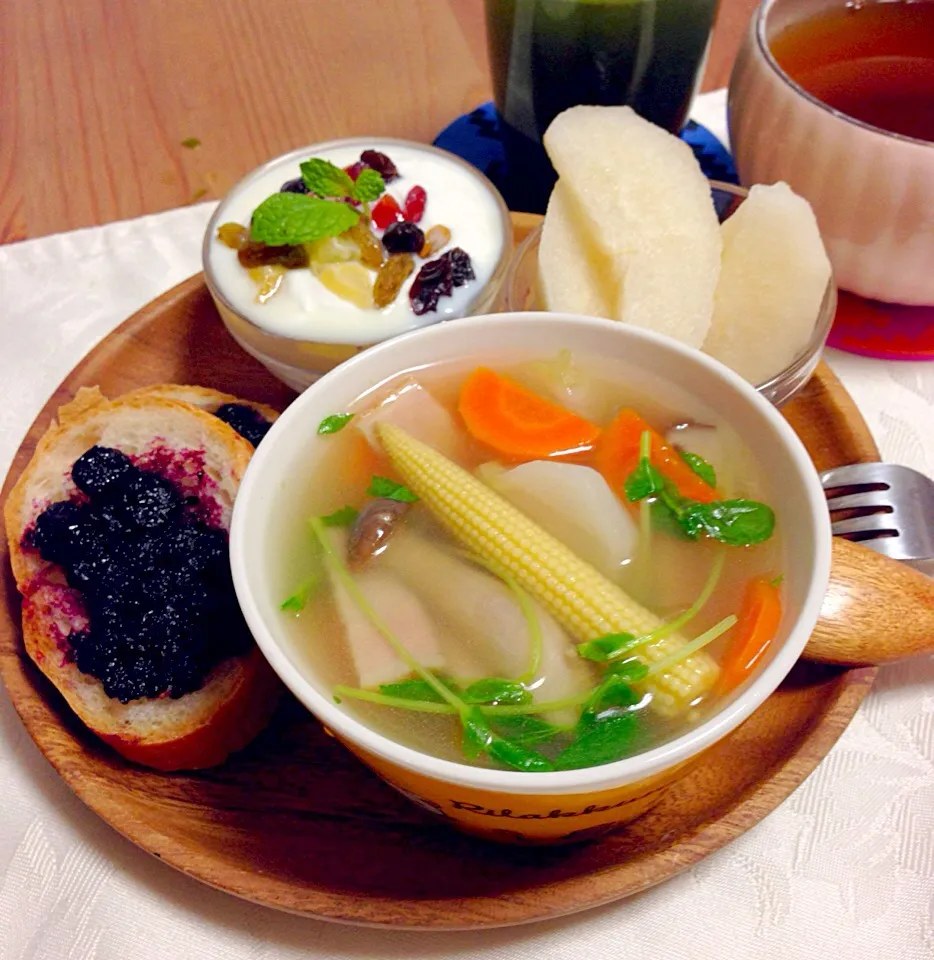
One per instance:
(547, 55)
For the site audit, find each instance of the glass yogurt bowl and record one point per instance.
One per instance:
(304, 329)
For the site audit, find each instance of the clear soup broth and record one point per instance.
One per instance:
(636, 588)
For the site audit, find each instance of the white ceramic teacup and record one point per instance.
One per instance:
(872, 191)
(504, 804)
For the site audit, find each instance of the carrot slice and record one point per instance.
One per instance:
(617, 455)
(759, 617)
(518, 423)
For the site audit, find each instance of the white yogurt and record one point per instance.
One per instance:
(303, 308)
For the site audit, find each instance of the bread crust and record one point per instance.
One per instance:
(200, 728)
(202, 397)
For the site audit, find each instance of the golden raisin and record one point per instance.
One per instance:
(268, 279)
(371, 250)
(437, 237)
(391, 276)
(233, 235)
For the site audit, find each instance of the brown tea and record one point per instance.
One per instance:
(871, 61)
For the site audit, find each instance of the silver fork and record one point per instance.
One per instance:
(885, 506)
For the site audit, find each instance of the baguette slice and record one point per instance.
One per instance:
(201, 397)
(237, 699)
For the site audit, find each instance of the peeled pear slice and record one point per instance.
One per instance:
(574, 276)
(574, 504)
(772, 281)
(638, 192)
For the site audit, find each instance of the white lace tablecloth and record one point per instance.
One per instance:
(843, 869)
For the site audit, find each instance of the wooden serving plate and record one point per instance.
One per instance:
(296, 823)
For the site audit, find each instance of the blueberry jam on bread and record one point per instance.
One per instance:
(156, 583)
(118, 541)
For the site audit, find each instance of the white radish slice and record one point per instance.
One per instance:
(486, 620)
(574, 504)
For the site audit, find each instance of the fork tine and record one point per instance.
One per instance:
(852, 475)
(857, 501)
(871, 524)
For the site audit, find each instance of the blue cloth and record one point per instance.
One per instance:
(475, 137)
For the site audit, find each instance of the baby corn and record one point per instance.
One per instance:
(577, 595)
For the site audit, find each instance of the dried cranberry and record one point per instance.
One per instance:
(353, 171)
(386, 211)
(461, 267)
(434, 281)
(380, 163)
(254, 254)
(414, 205)
(297, 185)
(403, 237)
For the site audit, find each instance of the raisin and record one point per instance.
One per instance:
(461, 266)
(386, 211)
(233, 235)
(380, 163)
(437, 237)
(253, 254)
(390, 278)
(434, 281)
(371, 252)
(403, 237)
(250, 424)
(297, 185)
(96, 469)
(414, 205)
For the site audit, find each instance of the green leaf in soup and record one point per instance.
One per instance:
(524, 729)
(369, 186)
(603, 742)
(631, 669)
(414, 689)
(296, 602)
(665, 520)
(700, 466)
(643, 482)
(343, 517)
(738, 523)
(479, 738)
(334, 423)
(496, 690)
(606, 647)
(325, 178)
(391, 490)
(293, 218)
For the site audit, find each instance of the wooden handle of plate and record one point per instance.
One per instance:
(876, 610)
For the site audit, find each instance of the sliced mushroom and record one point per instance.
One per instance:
(372, 529)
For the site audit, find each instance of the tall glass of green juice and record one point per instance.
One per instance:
(547, 55)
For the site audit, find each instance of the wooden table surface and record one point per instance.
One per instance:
(97, 96)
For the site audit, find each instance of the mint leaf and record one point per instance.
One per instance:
(343, 517)
(326, 179)
(495, 690)
(700, 466)
(384, 487)
(293, 218)
(607, 740)
(737, 523)
(524, 729)
(643, 481)
(334, 423)
(296, 602)
(605, 648)
(368, 186)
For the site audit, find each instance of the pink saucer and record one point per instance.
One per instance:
(885, 330)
